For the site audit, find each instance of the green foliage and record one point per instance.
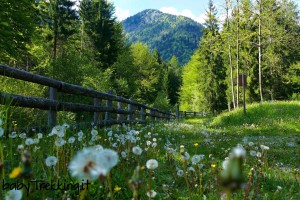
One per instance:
(206, 89)
(102, 29)
(169, 34)
(16, 29)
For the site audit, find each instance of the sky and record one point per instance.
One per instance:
(194, 9)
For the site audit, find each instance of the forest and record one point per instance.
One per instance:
(259, 39)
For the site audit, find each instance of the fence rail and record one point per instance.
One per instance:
(134, 112)
(191, 113)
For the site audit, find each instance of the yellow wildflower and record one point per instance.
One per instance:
(117, 189)
(16, 172)
(196, 144)
(143, 167)
(213, 165)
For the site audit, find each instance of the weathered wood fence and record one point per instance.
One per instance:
(191, 113)
(127, 110)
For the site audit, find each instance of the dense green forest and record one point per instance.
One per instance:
(169, 34)
(83, 45)
(259, 39)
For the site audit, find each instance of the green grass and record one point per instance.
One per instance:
(215, 137)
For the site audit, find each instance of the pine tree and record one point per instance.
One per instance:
(104, 32)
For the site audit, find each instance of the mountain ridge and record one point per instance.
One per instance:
(169, 34)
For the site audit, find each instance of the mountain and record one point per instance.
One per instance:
(169, 34)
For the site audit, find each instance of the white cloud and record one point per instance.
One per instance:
(122, 14)
(185, 12)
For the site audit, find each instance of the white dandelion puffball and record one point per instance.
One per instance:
(151, 194)
(59, 142)
(239, 152)
(22, 135)
(252, 153)
(40, 135)
(71, 140)
(14, 195)
(263, 147)
(225, 164)
(98, 147)
(90, 163)
(110, 157)
(29, 141)
(180, 172)
(13, 135)
(80, 134)
(1, 132)
(137, 150)
(196, 159)
(94, 132)
(51, 161)
(123, 154)
(152, 164)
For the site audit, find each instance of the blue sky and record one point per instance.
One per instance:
(194, 9)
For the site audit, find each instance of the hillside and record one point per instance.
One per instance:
(169, 34)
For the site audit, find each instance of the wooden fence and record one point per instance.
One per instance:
(183, 114)
(127, 110)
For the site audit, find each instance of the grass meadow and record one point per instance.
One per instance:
(230, 156)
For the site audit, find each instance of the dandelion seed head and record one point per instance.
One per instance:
(29, 141)
(137, 150)
(51, 161)
(71, 140)
(14, 195)
(152, 164)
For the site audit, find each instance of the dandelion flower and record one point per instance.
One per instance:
(29, 141)
(71, 140)
(51, 161)
(152, 164)
(94, 132)
(180, 172)
(22, 135)
(137, 150)
(263, 147)
(80, 134)
(196, 144)
(40, 135)
(59, 142)
(14, 195)
(252, 153)
(108, 156)
(151, 194)
(13, 135)
(239, 151)
(16, 172)
(196, 159)
(117, 189)
(123, 154)
(258, 154)
(213, 165)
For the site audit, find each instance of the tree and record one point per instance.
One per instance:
(16, 29)
(207, 62)
(104, 32)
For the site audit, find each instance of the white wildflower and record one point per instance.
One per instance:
(152, 164)
(51, 161)
(80, 134)
(180, 172)
(263, 147)
(71, 140)
(29, 141)
(22, 135)
(14, 195)
(151, 194)
(40, 135)
(137, 150)
(13, 135)
(59, 142)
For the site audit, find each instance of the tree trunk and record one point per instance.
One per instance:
(259, 54)
(237, 54)
(230, 57)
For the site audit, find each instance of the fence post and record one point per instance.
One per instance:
(130, 109)
(97, 115)
(52, 113)
(120, 116)
(143, 114)
(109, 105)
(177, 111)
